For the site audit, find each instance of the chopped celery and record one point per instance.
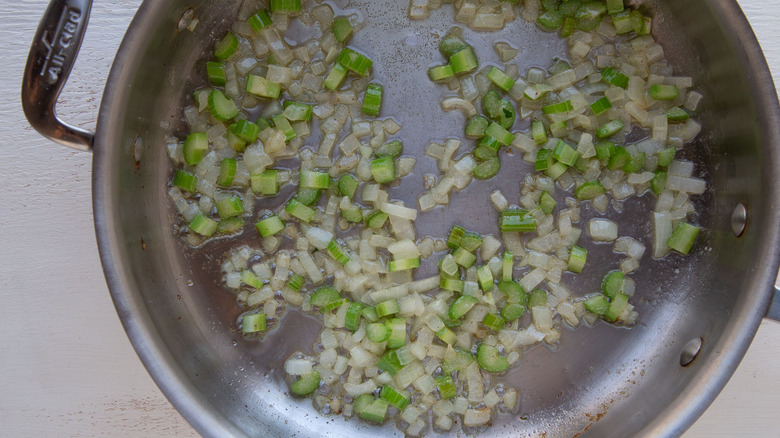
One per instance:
(597, 304)
(342, 29)
(270, 226)
(682, 238)
(677, 114)
(348, 185)
(619, 158)
(397, 337)
(485, 278)
(376, 411)
(664, 92)
(471, 241)
(512, 311)
(658, 184)
(392, 149)
(253, 323)
(403, 265)
(353, 214)
(456, 237)
(487, 169)
(666, 156)
(565, 153)
(377, 332)
(336, 77)
(266, 183)
(352, 320)
(195, 147)
(395, 397)
(489, 359)
(261, 87)
(589, 190)
(475, 128)
(386, 308)
(373, 100)
(461, 306)
(230, 225)
(185, 181)
(501, 79)
(296, 111)
(216, 73)
(227, 172)
(337, 252)
(546, 203)
(464, 257)
(441, 72)
(389, 363)
(314, 180)
(309, 196)
(383, 170)
(616, 307)
(452, 284)
(577, 258)
(260, 20)
(226, 47)
(298, 210)
(203, 225)
(448, 336)
(515, 219)
(230, 207)
(544, 159)
(537, 298)
(493, 322)
(296, 282)
(376, 219)
(538, 132)
(614, 77)
(507, 266)
(446, 386)
(557, 108)
(325, 297)
(513, 291)
(354, 61)
(451, 45)
(610, 129)
(306, 384)
(222, 107)
(464, 61)
(600, 105)
(369, 312)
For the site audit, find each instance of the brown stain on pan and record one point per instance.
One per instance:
(593, 420)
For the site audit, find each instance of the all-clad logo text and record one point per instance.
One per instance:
(59, 46)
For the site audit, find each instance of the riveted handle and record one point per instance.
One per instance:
(52, 55)
(774, 306)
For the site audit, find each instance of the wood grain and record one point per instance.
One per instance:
(66, 367)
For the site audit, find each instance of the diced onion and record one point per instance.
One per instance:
(603, 230)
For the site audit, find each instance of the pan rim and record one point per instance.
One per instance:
(182, 393)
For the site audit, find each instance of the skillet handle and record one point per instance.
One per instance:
(52, 55)
(774, 306)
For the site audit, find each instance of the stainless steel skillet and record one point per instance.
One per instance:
(632, 381)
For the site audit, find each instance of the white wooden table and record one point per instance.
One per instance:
(66, 366)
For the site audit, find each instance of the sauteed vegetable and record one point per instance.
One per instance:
(302, 126)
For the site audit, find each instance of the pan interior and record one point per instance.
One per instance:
(602, 381)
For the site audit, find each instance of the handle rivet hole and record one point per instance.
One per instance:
(186, 19)
(739, 218)
(691, 351)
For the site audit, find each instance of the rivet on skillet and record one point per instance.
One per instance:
(186, 19)
(691, 351)
(739, 219)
